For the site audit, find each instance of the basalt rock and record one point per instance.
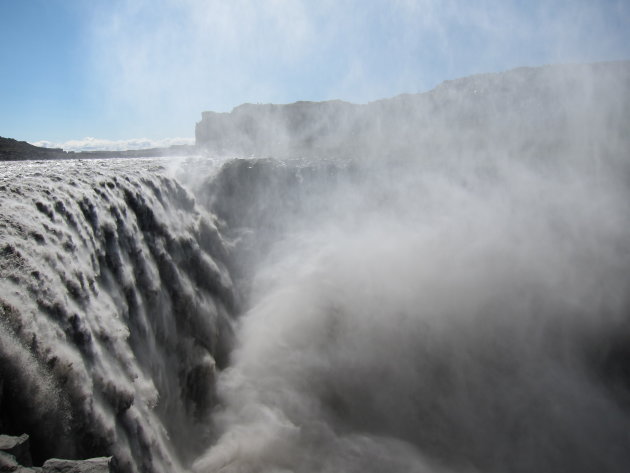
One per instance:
(92, 465)
(18, 447)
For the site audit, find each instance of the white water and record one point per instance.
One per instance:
(116, 306)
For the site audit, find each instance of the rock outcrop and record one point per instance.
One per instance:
(525, 111)
(15, 456)
(92, 465)
(17, 447)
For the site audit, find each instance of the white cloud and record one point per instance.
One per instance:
(99, 144)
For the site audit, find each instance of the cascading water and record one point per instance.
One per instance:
(116, 310)
(452, 301)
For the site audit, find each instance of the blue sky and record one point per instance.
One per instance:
(129, 69)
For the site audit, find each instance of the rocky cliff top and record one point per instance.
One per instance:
(517, 108)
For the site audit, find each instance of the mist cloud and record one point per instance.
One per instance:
(443, 324)
(457, 303)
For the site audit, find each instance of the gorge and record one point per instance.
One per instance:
(435, 282)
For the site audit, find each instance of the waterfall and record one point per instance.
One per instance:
(439, 284)
(117, 310)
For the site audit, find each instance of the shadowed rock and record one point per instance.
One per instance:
(532, 111)
(18, 447)
(92, 465)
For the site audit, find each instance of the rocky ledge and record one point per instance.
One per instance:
(530, 111)
(15, 456)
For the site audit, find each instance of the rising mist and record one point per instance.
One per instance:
(452, 298)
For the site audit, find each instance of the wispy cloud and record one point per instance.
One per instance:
(164, 62)
(98, 144)
(168, 63)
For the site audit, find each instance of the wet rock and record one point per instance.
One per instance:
(92, 465)
(18, 447)
(8, 462)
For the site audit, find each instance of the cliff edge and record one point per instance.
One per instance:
(529, 110)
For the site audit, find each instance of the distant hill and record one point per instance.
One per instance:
(13, 150)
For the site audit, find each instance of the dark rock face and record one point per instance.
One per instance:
(529, 111)
(273, 129)
(115, 311)
(18, 447)
(15, 456)
(93, 465)
(8, 462)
